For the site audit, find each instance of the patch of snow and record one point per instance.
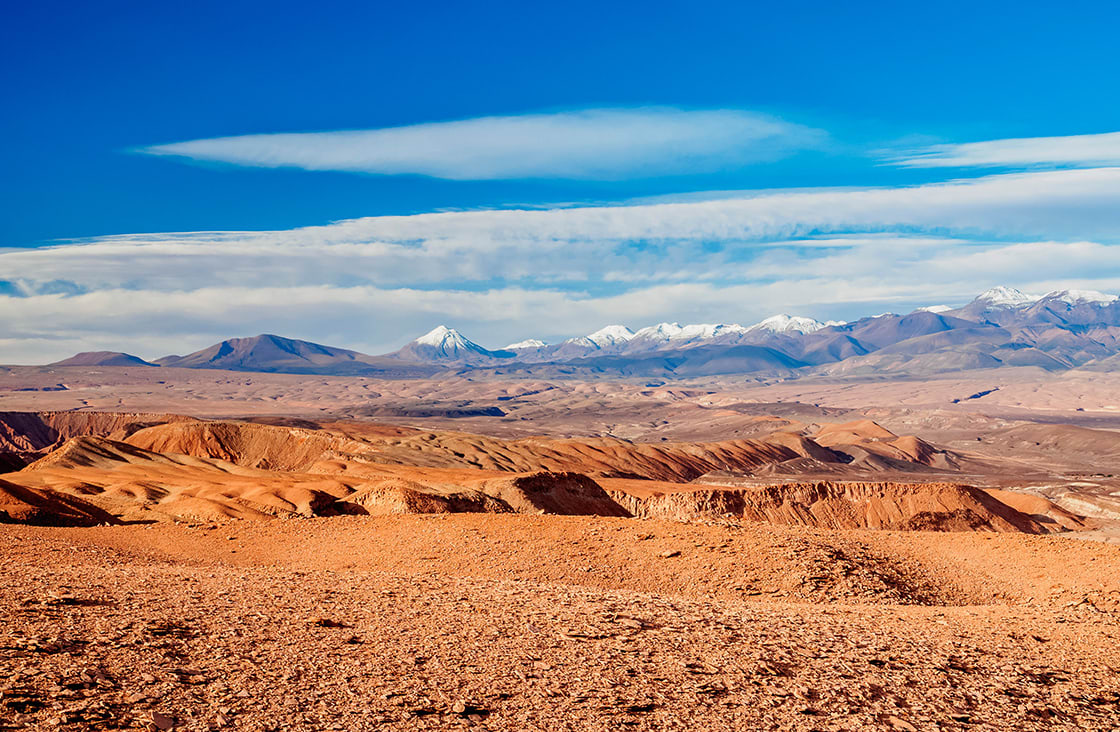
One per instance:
(707, 331)
(441, 335)
(659, 332)
(1007, 297)
(934, 309)
(525, 345)
(608, 336)
(1081, 297)
(791, 324)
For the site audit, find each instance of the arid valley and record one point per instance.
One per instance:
(559, 367)
(214, 549)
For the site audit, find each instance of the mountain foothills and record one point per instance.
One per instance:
(1062, 330)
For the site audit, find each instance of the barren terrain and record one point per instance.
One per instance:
(213, 550)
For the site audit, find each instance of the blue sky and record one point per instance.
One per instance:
(126, 119)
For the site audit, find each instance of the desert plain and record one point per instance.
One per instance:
(203, 549)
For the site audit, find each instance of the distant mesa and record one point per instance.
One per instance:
(103, 358)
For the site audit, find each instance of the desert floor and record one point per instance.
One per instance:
(190, 617)
(552, 622)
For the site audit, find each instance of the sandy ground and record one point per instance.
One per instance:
(413, 622)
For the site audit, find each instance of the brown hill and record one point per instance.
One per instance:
(208, 470)
(565, 494)
(282, 448)
(27, 436)
(897, 506)
(103, 358)
(45, 507)
(137, 483)
(872, 446)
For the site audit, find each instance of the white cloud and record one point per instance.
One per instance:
(501, 276)
(577, 246)
(584, 144)
(1026, 152)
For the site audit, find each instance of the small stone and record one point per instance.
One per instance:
(162, 722)
(328, 623)
(459, 707)
(669, 553)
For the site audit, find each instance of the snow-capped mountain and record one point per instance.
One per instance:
(611, 335)
(447, 344)
(709, 331)
(665, 336)
(790, 324)
(659, 332)
(1007, 306)
(1002, 327)
(1005, 297)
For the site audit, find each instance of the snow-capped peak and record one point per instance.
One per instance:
(611, 335)
(791, 324)
(659, 332)
(442, 336)
(934, 309)
(1081, 297)
(707, 331)
(525, 345)
(1006, 297)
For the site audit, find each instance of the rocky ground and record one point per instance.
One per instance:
(549, 623)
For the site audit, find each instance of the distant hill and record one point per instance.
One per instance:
(102, 358)
(274, 354)
(1064, 329)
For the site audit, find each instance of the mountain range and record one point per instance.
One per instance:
(1001, 327)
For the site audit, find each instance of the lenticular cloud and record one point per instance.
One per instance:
(585, 144)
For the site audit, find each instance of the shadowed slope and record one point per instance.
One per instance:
(898, 506)
(45, 507)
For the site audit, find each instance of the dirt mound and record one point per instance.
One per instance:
(897, 506)
(1040, 509)
(871, 446)
(20, 505)
(848, 432)
(402, 496)
(566, 494)
(250, 445)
